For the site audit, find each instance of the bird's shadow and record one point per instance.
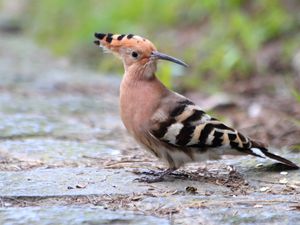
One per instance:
(228, 175)
(275, 167)
(222, 176)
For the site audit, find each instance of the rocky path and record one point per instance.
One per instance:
(65, 158)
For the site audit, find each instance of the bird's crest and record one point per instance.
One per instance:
(114, 42)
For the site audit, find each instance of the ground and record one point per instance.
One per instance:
(66, 158)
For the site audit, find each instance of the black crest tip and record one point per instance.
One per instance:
(129, 36)
(100, 35)
(97, 42)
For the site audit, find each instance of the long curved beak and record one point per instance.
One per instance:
(163, 56)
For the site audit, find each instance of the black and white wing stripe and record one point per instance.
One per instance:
(189, 126)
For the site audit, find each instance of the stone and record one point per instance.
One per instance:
(66, 215)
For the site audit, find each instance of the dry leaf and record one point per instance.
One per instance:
(191, 189)
(81, 185)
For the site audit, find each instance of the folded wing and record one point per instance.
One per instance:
(189, 126)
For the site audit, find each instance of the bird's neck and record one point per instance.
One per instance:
(141, 71)
(139, 98)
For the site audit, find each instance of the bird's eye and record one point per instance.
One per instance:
(134, 54)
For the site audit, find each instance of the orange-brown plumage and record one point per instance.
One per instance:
(167, 124)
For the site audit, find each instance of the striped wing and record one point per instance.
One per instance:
(189, 126)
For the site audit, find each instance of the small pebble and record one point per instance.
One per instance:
(284, 173)
(7, 204)
(293, 186)
(263, 189)
(259, 165)
(283, 181)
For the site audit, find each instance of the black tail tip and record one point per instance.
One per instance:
(100, 35)
(296, 167)
(293, 166)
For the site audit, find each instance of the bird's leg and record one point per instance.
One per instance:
(159, 176)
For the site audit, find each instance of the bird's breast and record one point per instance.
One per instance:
(138, 102)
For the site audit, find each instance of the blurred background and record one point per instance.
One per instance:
(244, 55)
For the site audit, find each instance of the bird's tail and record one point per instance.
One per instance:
(260, 150)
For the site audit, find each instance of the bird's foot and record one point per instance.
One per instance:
(159, 176)
(150, 179)
(151, 173)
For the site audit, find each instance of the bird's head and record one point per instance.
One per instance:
(137, 53)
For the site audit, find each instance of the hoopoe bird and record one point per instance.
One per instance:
(166, 123)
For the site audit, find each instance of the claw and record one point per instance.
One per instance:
(150, 180)
(152, 173)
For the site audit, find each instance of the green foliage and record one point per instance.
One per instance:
(224, 39)
(165, 75)
(296, 94)
(66, 24)
(239, 33)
